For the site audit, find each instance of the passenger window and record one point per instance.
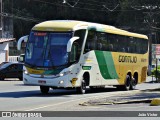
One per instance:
(91, 42)
(81, 35)
(74, 53)
(116, 43)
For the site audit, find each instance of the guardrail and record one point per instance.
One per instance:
(13, 58)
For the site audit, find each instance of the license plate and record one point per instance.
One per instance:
(42, 81)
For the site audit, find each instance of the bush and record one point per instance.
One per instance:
(158, 73)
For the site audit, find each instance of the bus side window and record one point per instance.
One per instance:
(87, 47)
(74, 53)
(99, 46)
(91, 42)
(128, 49)
(101, 41)
(81, 35)
(110, 47)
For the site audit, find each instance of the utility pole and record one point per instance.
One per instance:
(150, 22)
(12, 17)
(1, 19)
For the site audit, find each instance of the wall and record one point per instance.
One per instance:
(4, 46)
(4, 50)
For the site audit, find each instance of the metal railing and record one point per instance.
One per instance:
(13, 58)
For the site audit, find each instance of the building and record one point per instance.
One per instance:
(6, 34)
(4, 49)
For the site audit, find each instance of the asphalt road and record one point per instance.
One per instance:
(14, 96)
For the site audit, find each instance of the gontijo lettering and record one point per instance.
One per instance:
(128, 59)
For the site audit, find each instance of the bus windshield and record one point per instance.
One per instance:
(47, 49)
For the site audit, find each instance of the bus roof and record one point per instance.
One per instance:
(56, 25)
(71, 25)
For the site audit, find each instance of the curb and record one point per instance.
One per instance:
(151, 101)
(113, 103)
(155, 102)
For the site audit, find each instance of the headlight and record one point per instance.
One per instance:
(26, 72)
(63, 73)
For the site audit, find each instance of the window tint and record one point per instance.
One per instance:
(20, 66)
(115, 43)
(73, 54)
(12, 67)
(79, 42)
(91, 42)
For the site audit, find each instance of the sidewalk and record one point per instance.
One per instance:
(145, 95)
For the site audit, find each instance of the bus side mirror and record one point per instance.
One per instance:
(70, 42)
(24, 38)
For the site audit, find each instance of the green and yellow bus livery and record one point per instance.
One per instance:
(76, 54)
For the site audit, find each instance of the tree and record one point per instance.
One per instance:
(127, 14)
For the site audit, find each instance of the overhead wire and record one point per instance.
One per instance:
(19, 17)
(137, 7)
(65, 1)
(76, 2)
(93, 1)
(60, 4)
(89, 4)
(103, 5)
(111, 10)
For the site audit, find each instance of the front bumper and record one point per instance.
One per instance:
(62, 81)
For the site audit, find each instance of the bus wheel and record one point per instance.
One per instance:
(127, 83)
(82, 88)
(44, 89)
(133, 84)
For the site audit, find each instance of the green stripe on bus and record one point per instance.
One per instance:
(106, 65)
(110, 65)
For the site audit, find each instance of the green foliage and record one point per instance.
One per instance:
(156, 73)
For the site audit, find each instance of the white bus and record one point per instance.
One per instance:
(76, 54)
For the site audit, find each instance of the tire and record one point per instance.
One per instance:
(126, 86)
(82, 88)
(44, 89)
(133, 84)
(127, 83)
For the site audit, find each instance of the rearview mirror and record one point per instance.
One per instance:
(70, 42)
(24, 38)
